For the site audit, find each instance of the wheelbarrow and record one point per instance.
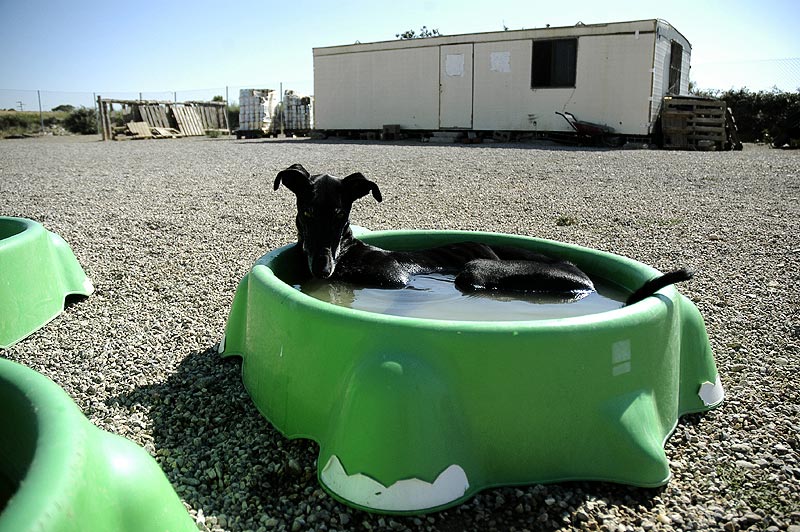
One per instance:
(589, 133)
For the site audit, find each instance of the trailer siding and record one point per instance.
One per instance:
(368, 89)
(665, 35)
(422, 83)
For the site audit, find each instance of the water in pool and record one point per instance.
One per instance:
(434, 296)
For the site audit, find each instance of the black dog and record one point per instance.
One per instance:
(331, 251)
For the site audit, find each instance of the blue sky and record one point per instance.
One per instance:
(159, 47)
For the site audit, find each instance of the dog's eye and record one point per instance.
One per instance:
(307, 214)
(340, 214)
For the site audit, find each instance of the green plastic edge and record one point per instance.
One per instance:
(39, 272)
(81, 478)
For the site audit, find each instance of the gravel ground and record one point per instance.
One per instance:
(166, 229)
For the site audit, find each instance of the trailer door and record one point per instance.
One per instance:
(455, 86)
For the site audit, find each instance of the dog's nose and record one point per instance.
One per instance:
(322, 266)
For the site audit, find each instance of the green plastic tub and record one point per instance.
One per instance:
(60, 473)
(413, 415)
(37, 271)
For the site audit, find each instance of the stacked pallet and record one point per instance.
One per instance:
(256, 109)
(694, 123)
(295, 113)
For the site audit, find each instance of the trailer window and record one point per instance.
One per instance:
(554, 63)
(675, 65)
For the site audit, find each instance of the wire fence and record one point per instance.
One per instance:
(781, 74)
(47, 100)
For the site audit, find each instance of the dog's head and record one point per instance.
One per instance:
(323, 213)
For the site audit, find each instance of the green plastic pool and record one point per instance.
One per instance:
(37, 271)
(60, 473)
(413, 415)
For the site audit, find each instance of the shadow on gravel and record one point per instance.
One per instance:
(215, 448)
(224, 457)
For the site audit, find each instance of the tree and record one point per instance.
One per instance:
(65, 108)
(218, 98)
(423, 33)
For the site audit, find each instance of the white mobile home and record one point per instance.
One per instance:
(614, 74)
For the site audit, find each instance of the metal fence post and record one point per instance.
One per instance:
(227, 111)
(96, 103)
(41, 117)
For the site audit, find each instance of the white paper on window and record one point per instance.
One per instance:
(500, 61)
(454, 65)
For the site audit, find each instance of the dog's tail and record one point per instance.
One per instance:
(654, 285)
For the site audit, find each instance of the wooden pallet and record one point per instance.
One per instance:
(693, 123)
(139, 130)
(188, 121)
(154, 114)
(213, 115)
(165, 119)
(165, 133)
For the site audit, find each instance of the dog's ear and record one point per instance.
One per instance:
(295, 178)
(357, 186)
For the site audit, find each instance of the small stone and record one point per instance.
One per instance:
(581, 515)
(781, 448)
(294, 466)
(664, 519)
(744, 464)
(271, 523)
(344, 519)
(648, 525)
(550, 501)
(749, 519)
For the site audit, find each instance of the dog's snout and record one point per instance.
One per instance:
(322, 265)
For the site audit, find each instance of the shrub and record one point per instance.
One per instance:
(20, 123)
(82, 121)
(758, 113)
(233, 116)
(14, 120)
